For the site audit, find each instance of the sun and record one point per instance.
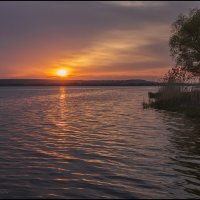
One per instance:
(62, 72)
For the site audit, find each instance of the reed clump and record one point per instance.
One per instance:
(187, 102)
(176, 96)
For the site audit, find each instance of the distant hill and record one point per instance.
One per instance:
(47, 82)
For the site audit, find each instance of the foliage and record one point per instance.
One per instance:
(177, 75)
(174, 94)
(185, 42)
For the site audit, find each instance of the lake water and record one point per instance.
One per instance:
(94, 142)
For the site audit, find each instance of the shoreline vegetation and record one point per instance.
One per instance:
(176, 99)
(185, 50)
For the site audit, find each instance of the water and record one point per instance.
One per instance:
(94, 142)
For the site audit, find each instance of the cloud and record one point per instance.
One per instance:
(136, 3)
(89, 36)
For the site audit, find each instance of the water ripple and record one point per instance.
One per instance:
(94, 143)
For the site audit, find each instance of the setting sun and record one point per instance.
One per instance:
(62, 72)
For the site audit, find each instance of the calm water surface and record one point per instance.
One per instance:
(94, 142)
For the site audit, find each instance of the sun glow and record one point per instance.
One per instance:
(62, 72)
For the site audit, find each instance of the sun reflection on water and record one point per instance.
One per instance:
(62, 107)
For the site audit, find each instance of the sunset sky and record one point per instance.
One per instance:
(92, 40)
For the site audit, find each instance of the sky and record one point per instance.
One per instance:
(93, 40)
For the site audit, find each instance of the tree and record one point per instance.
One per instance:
(185, 42)
(177, 75)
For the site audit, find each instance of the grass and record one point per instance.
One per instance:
(176, 99)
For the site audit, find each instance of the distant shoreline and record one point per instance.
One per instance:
(47, 82)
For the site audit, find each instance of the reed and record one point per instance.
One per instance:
(176, 98)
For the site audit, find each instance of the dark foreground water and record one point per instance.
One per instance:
(60, 142)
